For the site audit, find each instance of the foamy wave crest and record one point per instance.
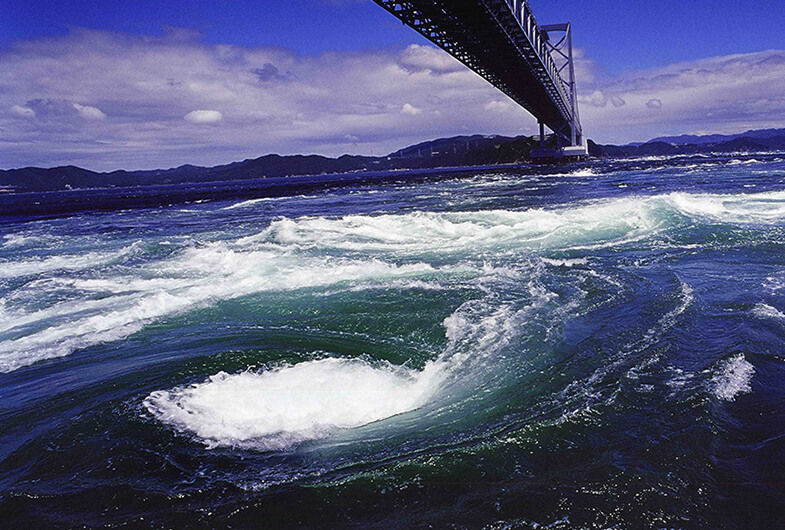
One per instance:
(254, 202)
(312, 252)
(565, 262)
(22, 240)
(586, 172)
(30, 267)
(588, 225)
(281, 407)
(609, 222)
(734, 377)
(775, 282)
(766, 207)
(195, 278)
(737, 162)
(767, 311)
(275, 409)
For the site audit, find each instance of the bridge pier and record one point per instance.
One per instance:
(568, 153)
(542, 135)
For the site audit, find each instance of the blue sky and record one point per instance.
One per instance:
(619, 34)
(631, 34)
(148, 84)
(305, 26)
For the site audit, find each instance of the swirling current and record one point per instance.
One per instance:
(596, 345)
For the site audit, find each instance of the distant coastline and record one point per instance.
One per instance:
(456, 152)
(53, 203)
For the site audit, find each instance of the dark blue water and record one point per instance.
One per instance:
(596, 345)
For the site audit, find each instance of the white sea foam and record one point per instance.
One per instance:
(436, 233)
(193, 279)
(420, 285)
(30, 267)
(64, 262)
(586, 172)
(763, 207)
(305, 252)
(20, 240)
(680, 380)
(61, 339)
(281, 407)
(565, 262)
(775, 282)
(253, 202)
(583, 226)
(766, 311)
(733, 377)
(277, 408)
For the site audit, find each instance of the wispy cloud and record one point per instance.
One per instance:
(105, 100)
(204, 116)
(718, 94)
(22, 111)
(88, 112)
(411, 110)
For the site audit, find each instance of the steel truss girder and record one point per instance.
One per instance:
(502, 42)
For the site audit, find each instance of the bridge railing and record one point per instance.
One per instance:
(525, 18)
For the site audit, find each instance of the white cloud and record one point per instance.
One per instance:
(600, 99)
(204, 116)
(279, 101)
(498, 106)
(719, 94)
(355, 101)
(595, 99)
(410, 109)
(89, 113)
(23, 112)
(428, 58)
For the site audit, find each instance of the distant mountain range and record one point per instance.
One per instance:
(476, 150)
(444, 152)
(686, 139)
(750, 141)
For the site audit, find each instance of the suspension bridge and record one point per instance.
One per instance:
(501, 41)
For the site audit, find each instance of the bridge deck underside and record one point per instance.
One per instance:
(486, 37)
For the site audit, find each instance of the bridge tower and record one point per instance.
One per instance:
(558, 40)
(501, 41)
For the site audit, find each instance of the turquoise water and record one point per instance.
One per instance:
(597, 345)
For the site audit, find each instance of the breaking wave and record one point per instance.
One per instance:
(767, 311)
(740, 208)
(195, 278)
(733, 378)
(275, 409)
(111, 303)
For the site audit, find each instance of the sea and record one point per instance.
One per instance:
(589, 345)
